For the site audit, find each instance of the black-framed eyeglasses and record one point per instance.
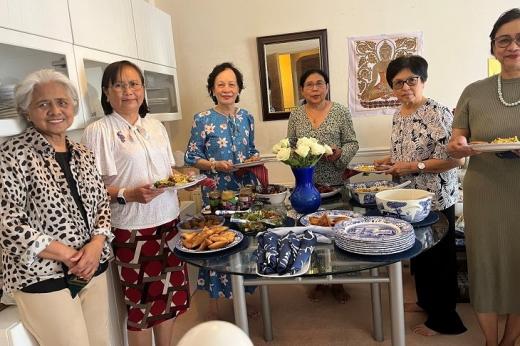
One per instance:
(411, 81)
(505, 40)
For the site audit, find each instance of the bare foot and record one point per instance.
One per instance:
(339, 293)
(412, 307)
(317, 293)
(421, 329)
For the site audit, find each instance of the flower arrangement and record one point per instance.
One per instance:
(300, 152)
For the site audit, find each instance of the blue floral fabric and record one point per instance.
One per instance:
(223, 138)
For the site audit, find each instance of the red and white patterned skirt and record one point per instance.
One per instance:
(154, 281)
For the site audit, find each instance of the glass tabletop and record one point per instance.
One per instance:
(327, 259)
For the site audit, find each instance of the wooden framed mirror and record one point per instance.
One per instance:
(282, 60)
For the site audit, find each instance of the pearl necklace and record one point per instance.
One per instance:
(501, 97)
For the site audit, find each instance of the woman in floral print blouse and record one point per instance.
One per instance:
(221, 137)
(421, 130)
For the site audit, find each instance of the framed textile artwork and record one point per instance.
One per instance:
(369, 56)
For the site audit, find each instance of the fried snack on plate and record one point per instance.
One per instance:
(505, 140)
(214, 237)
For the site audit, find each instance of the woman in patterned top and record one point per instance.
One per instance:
(220, 137)
(223, 135)
(330, 123)
(420, 133)
(54, 220)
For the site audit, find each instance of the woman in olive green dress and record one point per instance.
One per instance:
(488, 109)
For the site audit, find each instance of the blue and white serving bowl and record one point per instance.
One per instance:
(365, 192)
(411, 205)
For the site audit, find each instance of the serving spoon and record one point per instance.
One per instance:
(406, 183)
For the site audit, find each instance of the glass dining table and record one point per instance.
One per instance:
(329, 265)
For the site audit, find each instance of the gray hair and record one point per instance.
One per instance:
(24, 90)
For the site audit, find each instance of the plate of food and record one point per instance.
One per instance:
(258, 220)
(179, 181)
(328, 218)
(209, 240)
(327, 191)
(251, 162)
(369, 168)
(497, 145)
(197, 223)
(305, 269)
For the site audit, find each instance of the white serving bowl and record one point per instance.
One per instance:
(411, 205)
(367, 197)
(272, 198)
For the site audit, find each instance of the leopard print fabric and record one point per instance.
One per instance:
(36, 207)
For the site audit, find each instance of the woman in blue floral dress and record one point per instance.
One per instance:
(221, 137)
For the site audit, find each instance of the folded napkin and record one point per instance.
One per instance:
(269, 260)
(323, 234)
(285, 254)
(304, 253)
(289, 246)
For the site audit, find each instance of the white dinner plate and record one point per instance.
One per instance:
(369, 168)
(304, 220)
(495, 147)
(238, 238)
(196, 179)
(330, 193)
(305, 269)
(252, 163)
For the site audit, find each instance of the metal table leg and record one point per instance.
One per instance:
(239, 297)
(266, 313)
(377, 315)
(396, 304)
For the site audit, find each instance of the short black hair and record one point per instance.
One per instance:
(110, 76)
(415, 63)
(219, 69)
(506, 17)
(307, 73)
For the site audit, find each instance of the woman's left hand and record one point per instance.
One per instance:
(88, 258)
(401, 168)
(336, 154)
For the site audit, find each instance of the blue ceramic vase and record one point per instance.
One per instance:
(305, 198)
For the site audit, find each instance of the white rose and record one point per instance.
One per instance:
(284, 143)
(328, 149)
(317, 149)
(302, 150)
(283, 154)
(276, 148)
(303, 141)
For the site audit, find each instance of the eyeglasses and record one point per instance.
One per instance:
(133, 85)
(505, 40)
(319, 84)
(411, 81)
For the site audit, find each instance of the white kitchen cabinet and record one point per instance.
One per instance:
(153, 32)
(47, 18)
(21, 54)
(105, 25)
(91, 64)
(162, 92)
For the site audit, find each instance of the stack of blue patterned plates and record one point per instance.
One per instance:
(374, 235)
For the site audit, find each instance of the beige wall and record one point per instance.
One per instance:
(209, 32)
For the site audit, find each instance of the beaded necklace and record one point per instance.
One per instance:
(501, 97)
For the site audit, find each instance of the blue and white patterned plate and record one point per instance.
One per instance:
(331, 214)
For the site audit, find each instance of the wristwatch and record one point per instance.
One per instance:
(213, 165)
(121, 196)
(421, 166)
